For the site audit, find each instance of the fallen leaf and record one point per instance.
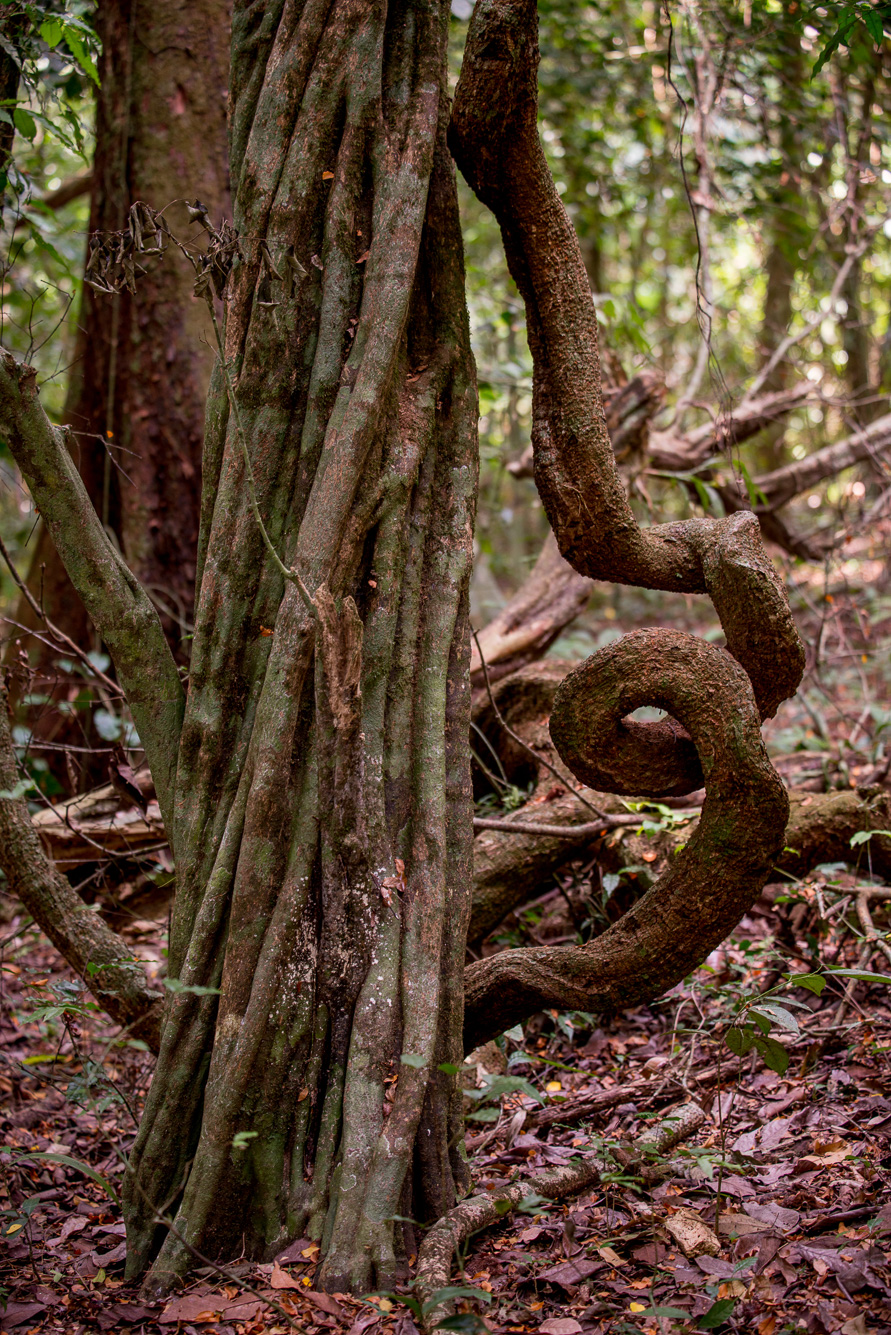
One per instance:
(775, 1216)
(570, 1272)
(326, 1303)
(16, 1314)
(692, 1234)
(193, 1307)
(613, 1258)
(560, 1325)
(280, 1279)
(327, 176)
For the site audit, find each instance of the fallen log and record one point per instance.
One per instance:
(96, 826)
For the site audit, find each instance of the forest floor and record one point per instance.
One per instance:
(786, 1184)
(791, 1172)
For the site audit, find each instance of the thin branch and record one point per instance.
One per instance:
(64, 640)
(118, 605)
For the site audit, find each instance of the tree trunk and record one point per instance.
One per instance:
(322, 828)
(142, 363)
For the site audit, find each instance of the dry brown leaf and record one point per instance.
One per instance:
(692, 1234)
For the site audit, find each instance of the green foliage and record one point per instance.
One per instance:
(717, 1314)
(854, 26)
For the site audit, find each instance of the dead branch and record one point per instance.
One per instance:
(488, 1208)
(92, 949)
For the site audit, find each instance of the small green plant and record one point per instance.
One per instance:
(758, 1015)
(494, 1089)
(467, 1322)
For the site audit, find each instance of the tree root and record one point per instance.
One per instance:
(488, 1208)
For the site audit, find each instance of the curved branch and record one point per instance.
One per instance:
(118, 605)
(80, 935)
(711, 881)
(494, 139)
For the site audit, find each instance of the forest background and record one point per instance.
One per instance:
(731, 189)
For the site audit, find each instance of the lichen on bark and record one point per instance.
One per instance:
(315, 781)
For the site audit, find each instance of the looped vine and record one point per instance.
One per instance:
(716, 704)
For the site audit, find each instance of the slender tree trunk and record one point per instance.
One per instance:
(322, 809)
(142, 363)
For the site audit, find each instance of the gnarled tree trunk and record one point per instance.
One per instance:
(314, 779)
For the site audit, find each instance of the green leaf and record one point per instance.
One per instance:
(775, 1055)
(672, 1313)
(71, 1163)
(452, 1292)
(708, 497)
(485, 1115)
(717, 1314)
(814, 982)
(466, 1322)
(785, 1019)
(80, 53)
(25, 123)
(762, 1021)
(739, 1039)
(756, 495)
(863, 975)
(13, 794)
(873, 25)
(241, 1138)
(511, 1084)
(51, 32)
(864, 836)
(412, 1059)
(449, 1068)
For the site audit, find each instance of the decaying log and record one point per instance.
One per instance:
(780, 486)
(551, 598)
(95, 825)
(677, 454)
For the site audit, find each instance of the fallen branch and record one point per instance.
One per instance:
(654, 1089)
(89, 945)
(488, 1208)
(780, 486)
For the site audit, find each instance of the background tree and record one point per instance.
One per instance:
(141, 360)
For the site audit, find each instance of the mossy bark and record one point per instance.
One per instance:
(322, 816)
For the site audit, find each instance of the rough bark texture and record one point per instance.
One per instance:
(142, 363)
(118, 982)
(718, 701)
(316, 791)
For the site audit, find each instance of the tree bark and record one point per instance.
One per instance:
(317, 791)
(718, 701)
(142, 363)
